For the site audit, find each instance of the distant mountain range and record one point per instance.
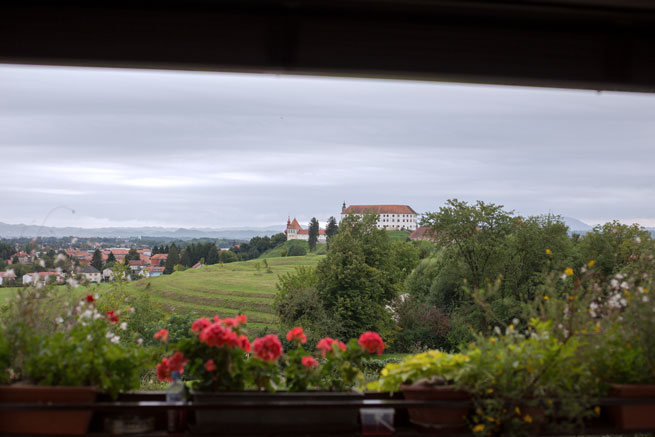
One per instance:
(576, 225)
(246, 233)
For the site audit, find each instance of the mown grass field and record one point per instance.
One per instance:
(226, 290)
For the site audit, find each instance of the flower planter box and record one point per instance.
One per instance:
(45, 422)
(246, 420)
(438, 419)
(636, 416)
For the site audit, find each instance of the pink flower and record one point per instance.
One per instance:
(161, 335)
(297, 335)
(210, 366)
(371, 342)
(163, 373)
(177, 362)
(325, 346)
(218, 335)
(241, 319)
(200, 324)
(309, 362)
(244, 343)
(268, 348)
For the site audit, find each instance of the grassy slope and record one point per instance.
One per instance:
(224, 290)
(321, 249)
(398, 235)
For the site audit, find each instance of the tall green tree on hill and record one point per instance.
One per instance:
(331, 229)
(96, 260)
(361, 275)
(313, 233)
(111, 259)
(172, 260)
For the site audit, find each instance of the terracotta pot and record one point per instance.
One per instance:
(635, 416)
(44, 421)
(448, 420)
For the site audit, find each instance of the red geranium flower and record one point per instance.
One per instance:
(371, 342)
(163, 372)
(325, 346)
(297, 335)
(177, 362)
(200, 324)
(218, 335)
(111, 316)
(162, 334)
(89, 298)
(241, 319)
(268, 348)
(309, 362)
(210, 366)
(244, 343)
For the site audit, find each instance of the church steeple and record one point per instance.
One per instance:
(343, 207)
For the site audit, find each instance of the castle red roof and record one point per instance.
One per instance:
(379, 209)
(294, 225)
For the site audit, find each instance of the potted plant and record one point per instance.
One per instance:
(433, 376)
(220, 364)
(625, 350)
(62, 358)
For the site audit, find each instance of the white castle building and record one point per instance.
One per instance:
(295, 232)
(393, 217)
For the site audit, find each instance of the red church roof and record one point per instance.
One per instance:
(294, 225)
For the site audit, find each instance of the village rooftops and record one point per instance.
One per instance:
(89, 269)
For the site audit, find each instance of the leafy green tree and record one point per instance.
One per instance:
(172, 260)
(313, 233)
(331, 229)
(96, 260)
(212, 256)
(111, 259)
(297, 249)
(132, 255)
(227, 256)
(359, 278)
(614, 246)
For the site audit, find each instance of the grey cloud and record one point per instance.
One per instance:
(201, 149)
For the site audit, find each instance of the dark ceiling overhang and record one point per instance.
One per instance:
(593, 44)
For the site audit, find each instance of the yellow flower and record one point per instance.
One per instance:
(527, 418)
(597, 410)
(478, 428)
(546, 297)
(568, 271)
(549, 252)
(597, 327)
(490, 390)
(491, 419)
(518, 410)
(591, 263)
(511, 326)
(549, 401)
(492, 339)
(645, 290)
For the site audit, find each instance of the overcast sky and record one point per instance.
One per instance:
(131, 148)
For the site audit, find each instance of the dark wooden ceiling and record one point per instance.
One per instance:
(592, 44)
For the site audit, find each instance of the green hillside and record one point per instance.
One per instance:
(283, 248)
(398, 235)
(226, 289)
